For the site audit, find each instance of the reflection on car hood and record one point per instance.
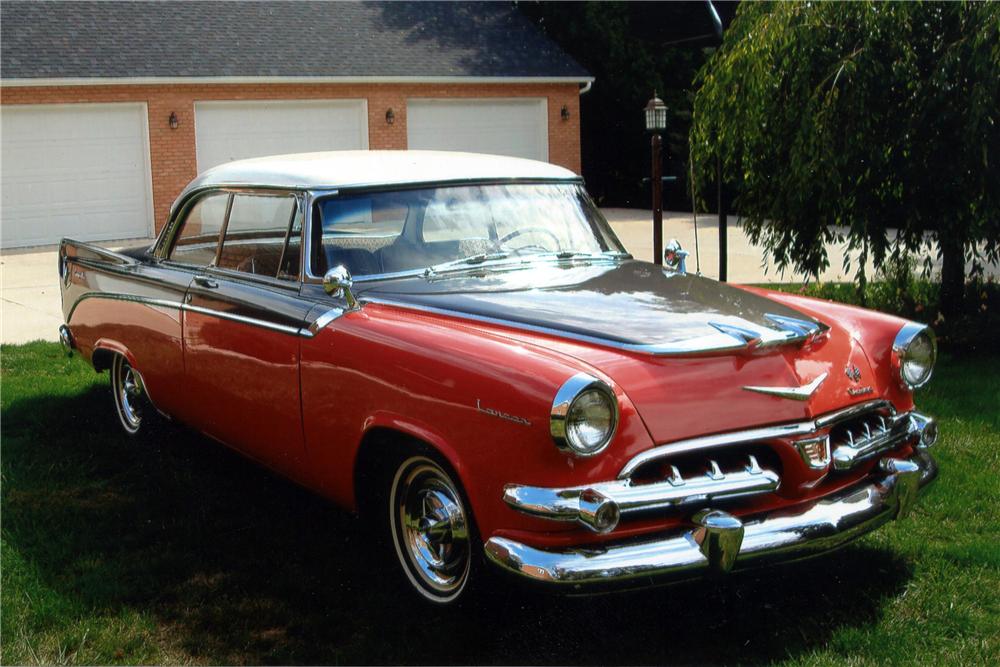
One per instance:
(630, 304)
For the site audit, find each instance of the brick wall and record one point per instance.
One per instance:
(172, 152)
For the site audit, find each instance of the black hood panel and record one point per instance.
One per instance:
(629, 303)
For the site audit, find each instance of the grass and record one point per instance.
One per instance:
(174, 550)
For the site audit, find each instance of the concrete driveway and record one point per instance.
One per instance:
(31, 310)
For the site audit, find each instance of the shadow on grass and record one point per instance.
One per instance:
(243, 567)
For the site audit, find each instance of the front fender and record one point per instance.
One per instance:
(433, 378)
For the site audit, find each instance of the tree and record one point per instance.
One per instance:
(631, 49)
(871, 116)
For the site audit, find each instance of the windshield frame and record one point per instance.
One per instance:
(317, 196)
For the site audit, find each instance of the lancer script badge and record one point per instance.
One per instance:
(501, 415)
(795, 393)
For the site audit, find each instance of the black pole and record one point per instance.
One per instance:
(723, 238)
(723, 234)
(657, 145)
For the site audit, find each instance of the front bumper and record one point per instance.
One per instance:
(720, 542)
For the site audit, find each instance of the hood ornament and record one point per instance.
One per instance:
(802, 393)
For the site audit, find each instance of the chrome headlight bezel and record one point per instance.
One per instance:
(569, 393)
(901, 347)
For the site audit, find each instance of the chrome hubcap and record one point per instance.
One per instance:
(128, 391)
(431, 530)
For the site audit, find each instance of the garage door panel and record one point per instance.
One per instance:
(74, 170)
(227, 131)
(518, 128)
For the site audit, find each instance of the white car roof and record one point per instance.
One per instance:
(342, 169)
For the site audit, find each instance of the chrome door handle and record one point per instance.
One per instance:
(202, 281)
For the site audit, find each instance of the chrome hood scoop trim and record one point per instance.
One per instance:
(630, 305)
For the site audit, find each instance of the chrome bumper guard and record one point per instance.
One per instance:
(720, 542)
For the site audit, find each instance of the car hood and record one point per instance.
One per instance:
(626, 304)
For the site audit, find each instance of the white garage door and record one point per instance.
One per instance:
(518, 128)
(227, 131)
(76, 170)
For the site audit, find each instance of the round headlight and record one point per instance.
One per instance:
(584, 415)
(913, 355)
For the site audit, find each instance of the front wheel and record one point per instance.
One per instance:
(129, 393)
(432, 529)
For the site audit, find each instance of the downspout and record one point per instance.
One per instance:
(586, 87)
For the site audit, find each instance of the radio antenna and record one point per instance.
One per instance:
(694, 212)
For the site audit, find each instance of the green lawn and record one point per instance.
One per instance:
(177, 551)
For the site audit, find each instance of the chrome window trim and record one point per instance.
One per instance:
(304, 332)
(165, 240)
(274, 193)
(570, 390)
(747, 436)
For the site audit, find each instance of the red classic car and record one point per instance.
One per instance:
(459, 345)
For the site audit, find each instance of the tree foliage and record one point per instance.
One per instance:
(631, 49)
(868, 116)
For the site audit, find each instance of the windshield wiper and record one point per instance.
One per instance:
(471, 260)
(570, 254)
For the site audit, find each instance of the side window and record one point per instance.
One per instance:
(352, 230)
(199, 236)
(263, 236)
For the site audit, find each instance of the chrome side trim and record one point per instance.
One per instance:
(304, 332)
(719, 542)
(708, 344)
(116, 296)
(294, 331)
(675, 491)
(751, 435)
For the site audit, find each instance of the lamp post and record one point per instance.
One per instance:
(656, 123)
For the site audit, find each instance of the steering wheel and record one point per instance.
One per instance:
(529, 230)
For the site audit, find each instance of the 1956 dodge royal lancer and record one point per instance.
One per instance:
(459, 345)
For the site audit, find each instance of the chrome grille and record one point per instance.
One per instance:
(867, 435)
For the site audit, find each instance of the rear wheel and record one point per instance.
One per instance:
(130, 399)
(432, 529)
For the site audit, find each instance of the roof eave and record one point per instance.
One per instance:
(175, 80)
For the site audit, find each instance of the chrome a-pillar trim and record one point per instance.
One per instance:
(777, 536)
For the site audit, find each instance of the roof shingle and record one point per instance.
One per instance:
(274, 39)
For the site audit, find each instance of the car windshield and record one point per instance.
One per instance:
(441, 228)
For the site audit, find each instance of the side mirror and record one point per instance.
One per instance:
(337, 282)
(674, 256)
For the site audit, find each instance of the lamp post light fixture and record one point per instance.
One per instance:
(656, 122)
